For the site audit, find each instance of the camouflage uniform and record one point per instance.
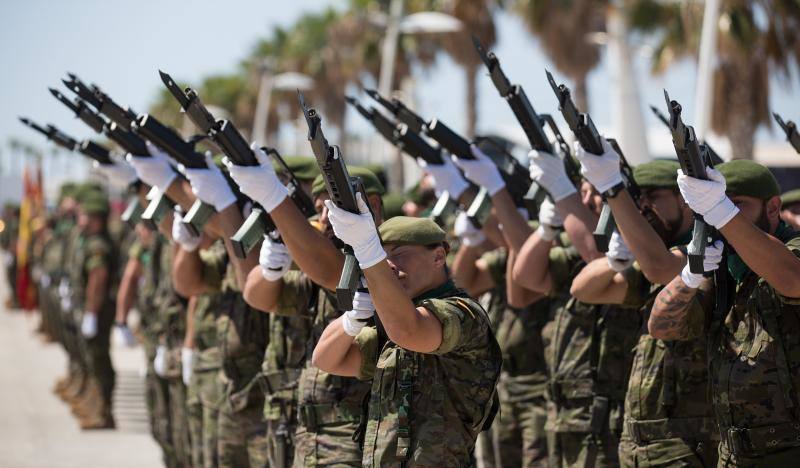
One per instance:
(591, 360)
(668, 418)
(242, 338)
(426, 409)
(329, 408)
(518, 434)
(754, 356)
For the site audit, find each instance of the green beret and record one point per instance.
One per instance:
(303, 167)
(405, 230)
(380, 172)
(94, 203)
(371, 183)
(661, 173)
(791, 197)
(393, 205)
(67, 190)
(748, 178)
(86, 189)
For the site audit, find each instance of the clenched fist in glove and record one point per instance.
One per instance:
(707, 197)
(354, 320)
(123, 335)
(602, 171)
(118, 174)
(550, 220)
(187, 364)
(711, 260)
(358, 231)
(548, 171)
(89, 324)
(154, 170)
(446, 177)
(182, 235)
(210, 185)
(274, 259)
(481, 170)
(466, 231)
(619, 255)
(260, 183)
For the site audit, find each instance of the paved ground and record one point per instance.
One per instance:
(37, 429)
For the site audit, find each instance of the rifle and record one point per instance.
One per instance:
(88, 148)
(133, 211)
(712, 155)
(790, 129)
(590, 140)
(342, 189)
(693, 161)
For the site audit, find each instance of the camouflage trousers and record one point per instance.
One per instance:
(779, 458)
(583, 450)
(181, 438)
(667, 452)
(242, 434)
(158, 409)
(518, 434)
(330, 445)
(203, 398)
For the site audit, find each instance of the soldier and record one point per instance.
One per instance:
(790, 208)
(329, 408)
(668, 416)
(433, 360)
(753, 330)
(8, 241)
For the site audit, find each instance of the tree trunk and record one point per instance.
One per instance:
(471, 72)
(580, 94)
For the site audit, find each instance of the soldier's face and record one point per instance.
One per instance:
(591, 198)
(764, 214)
(791, 215)
(666, 212)
(418, 268)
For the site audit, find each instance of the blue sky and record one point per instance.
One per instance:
(120, 45)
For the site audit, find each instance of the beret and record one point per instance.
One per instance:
(303, 167)
(67, 190)
(660, 173)
(94, 203)
(748, 178)
(791, 197)
(393, 205)
(405, 230)
(380, 172)
(371, 183)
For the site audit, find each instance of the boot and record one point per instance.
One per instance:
(75, 388)
(61, 385)
(89, 401)
(99, 417)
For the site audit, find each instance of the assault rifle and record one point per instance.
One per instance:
(790, 129)
(590, 140)
(87, 147)
(712, 155)
(693, 160)
(342, 189)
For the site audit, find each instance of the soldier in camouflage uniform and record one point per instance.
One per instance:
(433, 360)
(329, 406)
(753, 331)
(790, 208)
(668, 417)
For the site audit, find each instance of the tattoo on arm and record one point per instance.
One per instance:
(668, 318)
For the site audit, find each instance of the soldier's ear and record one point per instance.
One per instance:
(773, 207)
(439, 256)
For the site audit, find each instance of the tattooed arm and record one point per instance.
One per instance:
(669, 317)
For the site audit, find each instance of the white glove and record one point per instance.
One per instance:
(549, 220)
(160, 361)
(602, 171)
(710, 263)
(260, 183)
(466, 231)
(210, 185)
(446, 177)
(181, 234)
(548, 171)
(707, 197)
(481, 170)
(619, 256)
(274, 259)
(154, 170)
(354, 320)
(119, 175)
(123, 336)
(187, 364)
(89, 325)
(358, 231)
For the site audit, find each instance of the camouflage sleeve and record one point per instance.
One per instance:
(215, 263)
(794, 246)
(461, 327)
(367, 342)
(562, 264)
(295, 294)
(496, 262)
(136, 250)
(638, 288)
(97, 252)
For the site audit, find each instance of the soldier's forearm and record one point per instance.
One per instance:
(515, 228)
(531, 267)
(96, 290)
(669, 315)
(579, 223)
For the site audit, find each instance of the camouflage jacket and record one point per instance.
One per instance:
(755, 367)
(591, 354)
(90, 252)
(428, 409)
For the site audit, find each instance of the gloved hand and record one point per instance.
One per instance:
(354, 320)
(619, 256)
(181, 234)
(710, 263)
(548, 171)
(601, 171)
(481, 170)
(358, 231)
(210, 185)
(118, 174)
(260, 183)
(154, 170)
(466, 231)
(160, 361)
(707, 197)
(187, 364)
(123, 335)
(446, 177)
(550, 220)
(274, 259)
(89, 324)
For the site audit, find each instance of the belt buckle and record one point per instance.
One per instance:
(633, 430)
(736, 440)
